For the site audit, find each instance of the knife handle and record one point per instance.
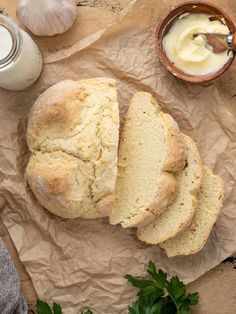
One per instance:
(231, 41)
(234, 42)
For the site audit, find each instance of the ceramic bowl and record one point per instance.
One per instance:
(165, 25)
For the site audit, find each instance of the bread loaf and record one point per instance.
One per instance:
(151, 148)
(194, 237)
(180, 213)
(72, 134)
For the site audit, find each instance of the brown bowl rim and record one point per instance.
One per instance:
(165, 60)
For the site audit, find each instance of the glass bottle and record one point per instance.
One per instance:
(20, 59)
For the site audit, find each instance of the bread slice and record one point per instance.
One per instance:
(151, 146)
(210, 201)
(180, 213)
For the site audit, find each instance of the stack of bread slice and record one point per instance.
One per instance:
(162, 187)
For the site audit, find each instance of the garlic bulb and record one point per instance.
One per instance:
(47, 17)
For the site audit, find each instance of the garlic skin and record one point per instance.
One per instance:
(47, 17)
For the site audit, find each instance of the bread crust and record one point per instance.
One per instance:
(166, 193)
(175, 158)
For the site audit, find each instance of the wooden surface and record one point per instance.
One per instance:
(217, 288)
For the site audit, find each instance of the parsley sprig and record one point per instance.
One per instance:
(158, 295)
(43, 308)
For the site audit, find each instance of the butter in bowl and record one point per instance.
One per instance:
(184, 50)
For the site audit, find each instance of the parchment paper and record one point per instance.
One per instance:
(80, 263)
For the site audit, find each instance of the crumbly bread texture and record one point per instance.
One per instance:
(151, 148)
(73, 132)
(194, 237)
(179, 214)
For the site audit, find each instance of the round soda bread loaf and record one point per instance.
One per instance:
(179, 214)
(210, 200)
(72, 134)
(151, 149)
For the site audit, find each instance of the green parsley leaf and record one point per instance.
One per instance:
(193, 298)
(141, 308)
(157, 308)
(160, 276)
(176, 289)
(134, 308)
(56, 309)
(138, 283)
(169, 307)
(184, 309)
(149, 300)
(152, 290)
(43, 308)
(87, 312)
(178, 293)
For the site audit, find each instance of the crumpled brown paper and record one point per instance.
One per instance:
(80, 263)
